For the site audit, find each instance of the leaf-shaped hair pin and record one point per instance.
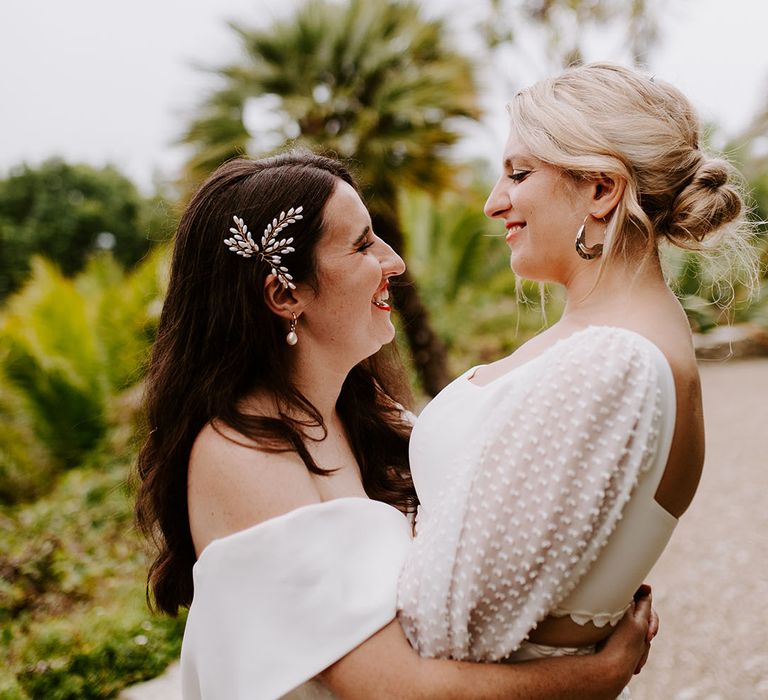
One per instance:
(272, 248)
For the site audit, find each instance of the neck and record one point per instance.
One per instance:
(589, 294)
(319, 379)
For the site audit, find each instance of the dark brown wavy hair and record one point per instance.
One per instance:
(218, 342)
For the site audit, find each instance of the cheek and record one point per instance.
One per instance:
(539, 256)
(343, 300)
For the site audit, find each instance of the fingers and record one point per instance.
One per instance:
(644, 612)
(643, 591)
(653, 626)
(644, 607)
(644, 594)
(643, 659)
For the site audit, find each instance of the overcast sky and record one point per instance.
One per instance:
(105, 81)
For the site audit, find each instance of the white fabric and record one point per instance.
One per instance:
(639, 538)
(522, 482)
(279, 602)
(311, 690)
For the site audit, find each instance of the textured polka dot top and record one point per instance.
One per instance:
(537, 495)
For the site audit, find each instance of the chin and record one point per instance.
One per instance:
(386, 340)
(521, 270)
(526, 269)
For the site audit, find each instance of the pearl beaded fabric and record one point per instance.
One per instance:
(521, 482)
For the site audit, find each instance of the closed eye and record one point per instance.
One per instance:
(364, 241)
(364, 246)
(519, 175)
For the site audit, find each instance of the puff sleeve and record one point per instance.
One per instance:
(279, 602)
(515, 529)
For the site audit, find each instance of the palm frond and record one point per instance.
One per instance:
(373, 82)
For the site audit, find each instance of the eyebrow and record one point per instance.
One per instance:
(362, 236)
(509, 161)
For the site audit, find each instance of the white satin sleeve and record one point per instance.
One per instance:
(519, 526)
(279, 602)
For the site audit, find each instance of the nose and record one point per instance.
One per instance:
(391, 262)
(497, 203)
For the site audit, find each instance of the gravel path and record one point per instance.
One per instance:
(711, 585)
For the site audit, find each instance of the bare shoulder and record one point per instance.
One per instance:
(686, 458)
(677, 347)
(232, 485)
(674, 341)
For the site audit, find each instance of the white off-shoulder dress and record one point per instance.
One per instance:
(536, 498)
(279, 602)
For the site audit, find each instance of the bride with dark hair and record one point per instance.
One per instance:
(275, 478)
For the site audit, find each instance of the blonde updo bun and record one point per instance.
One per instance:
(603, 119)
(704, 205)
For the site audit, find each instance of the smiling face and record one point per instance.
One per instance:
(542, 209)
(350, 314)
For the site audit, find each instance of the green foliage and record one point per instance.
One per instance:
(69, 348)
(461, 262)
(59, 210)
(565, 27)
(455, 252)
(124, 309)
(25, 464)
(370, 81)
(51, 359)
(452, 245)
(72, 609)
(756, 309)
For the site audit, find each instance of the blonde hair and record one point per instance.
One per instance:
(602, 118)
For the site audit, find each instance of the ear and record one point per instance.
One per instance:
(607, 191)
(284, 301)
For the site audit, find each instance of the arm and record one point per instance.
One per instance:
(385, 666)
(236, 488)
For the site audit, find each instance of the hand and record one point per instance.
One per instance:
(653, 627)
(629, 645)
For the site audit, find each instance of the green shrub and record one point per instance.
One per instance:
(25, 465)
(72, 609)
(66, 212)
(127, 655)
(69, 350)
(461, 262)
(51, 358)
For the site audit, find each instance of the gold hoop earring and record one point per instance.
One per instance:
(588, 253)
(292, 338)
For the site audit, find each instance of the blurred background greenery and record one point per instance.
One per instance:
(84, 257)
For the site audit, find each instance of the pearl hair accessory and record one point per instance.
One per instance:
(272, 249)
(292, 338)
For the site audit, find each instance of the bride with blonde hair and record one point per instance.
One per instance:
(551, 480)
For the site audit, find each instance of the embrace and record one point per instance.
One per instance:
(329, 543)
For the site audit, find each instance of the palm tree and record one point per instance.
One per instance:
(369, 81)
(564, 25)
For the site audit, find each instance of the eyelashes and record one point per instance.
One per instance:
(364, 246)
(519, 175)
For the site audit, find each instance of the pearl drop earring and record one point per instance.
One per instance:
(292, 338)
